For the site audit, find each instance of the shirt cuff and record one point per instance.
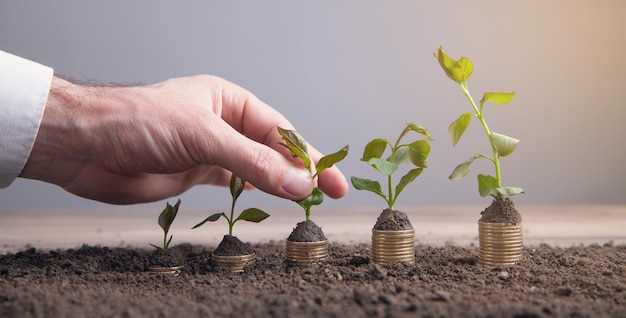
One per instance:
(24, 87)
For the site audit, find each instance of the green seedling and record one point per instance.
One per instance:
(298, 148)
(501, 145)
(251, 214)
(166, 218)
(414, 153)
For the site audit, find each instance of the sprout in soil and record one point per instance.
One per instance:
(298, 148)
(166, 218)
(501, 145)
(414, 153)
(251, 214)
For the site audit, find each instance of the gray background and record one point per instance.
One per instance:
(349, 71)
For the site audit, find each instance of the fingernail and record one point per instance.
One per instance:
(298, 183)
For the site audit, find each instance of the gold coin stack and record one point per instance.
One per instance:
(391, 247)
(500, 243)
(236, 263)
(307, 253)
(173, 270)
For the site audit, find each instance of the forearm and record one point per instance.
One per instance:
(53, 142)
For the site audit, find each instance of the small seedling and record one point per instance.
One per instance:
(298, 148)
(501, 145)
(251, 214)
(414, 153)
(166, 218)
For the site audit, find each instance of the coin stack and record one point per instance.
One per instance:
(173, 270)
(500, 243)
(307, 253)
(390, 247)
(236, 263)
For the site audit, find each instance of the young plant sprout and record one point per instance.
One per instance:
(251, 214)
(298, 148)
(166, 218)
(501, 145)
(415, 153)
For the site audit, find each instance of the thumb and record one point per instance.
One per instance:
(262, 166)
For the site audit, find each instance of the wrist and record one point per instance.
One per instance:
(57, 137)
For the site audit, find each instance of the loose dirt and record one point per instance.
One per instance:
(580, 281)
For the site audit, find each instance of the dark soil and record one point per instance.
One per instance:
(393, 220)
(501, 210)
(232, 246)
(580, 281)
(163, 258)
(307, 231)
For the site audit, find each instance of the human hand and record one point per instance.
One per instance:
(126, 145)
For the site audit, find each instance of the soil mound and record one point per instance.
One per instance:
(501, 210)
(232, 246)
(307, 231)
(393, 220)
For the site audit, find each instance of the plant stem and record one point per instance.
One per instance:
(307, 210)
(392, 199)
(165, 241)
(231, 221)
(479, 115)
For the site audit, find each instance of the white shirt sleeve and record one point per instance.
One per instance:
(24, 87)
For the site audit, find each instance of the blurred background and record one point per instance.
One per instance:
(345, 72)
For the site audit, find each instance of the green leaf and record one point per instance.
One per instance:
(374, 149)
(315, 198)
(459, 71)
(463, 169)
(384, 166)
(419, 129)
(297, 153)
(510, 191)
(167, 216)
(487, 185)
(505, 145)
(457, 128)
(328, 161)
(448, 65)
(216, 216)
(401, 157)
(252, 215)
(418, 153)
(498, 98)
(211, 218)
(236, 186)
(296, 145)
(368, 185)
(408, 178)
(466, 68)
(156, 246)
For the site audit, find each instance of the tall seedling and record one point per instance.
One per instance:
(501, 145)
(499, 228)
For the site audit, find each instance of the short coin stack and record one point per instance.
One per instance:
(390, 247)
